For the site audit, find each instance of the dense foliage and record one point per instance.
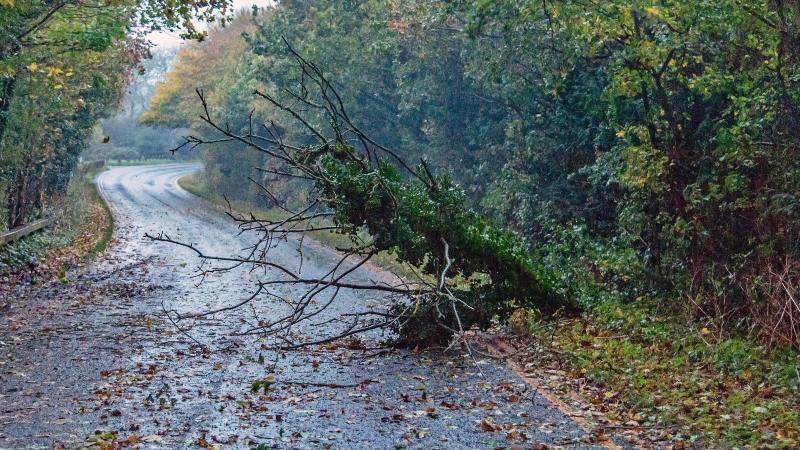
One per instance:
(63, 66)
(641, 148)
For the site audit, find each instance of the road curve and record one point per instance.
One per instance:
(98, 355)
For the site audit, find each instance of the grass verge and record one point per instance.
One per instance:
(143, 162)
(671, 380)
(108, 230)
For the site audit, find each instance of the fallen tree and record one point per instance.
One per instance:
(470, 271)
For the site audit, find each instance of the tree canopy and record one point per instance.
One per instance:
(639, 148)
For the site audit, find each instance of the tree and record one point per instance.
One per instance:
(647, 148)
(360, 186)
(71, 59)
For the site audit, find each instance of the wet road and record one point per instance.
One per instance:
(96, 359)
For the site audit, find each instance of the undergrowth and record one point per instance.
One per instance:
(83, 225)
(653, 361)
(679, 377)
(28, 250)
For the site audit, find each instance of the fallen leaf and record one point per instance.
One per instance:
(489, 426)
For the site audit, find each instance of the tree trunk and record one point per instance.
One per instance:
(6, 95)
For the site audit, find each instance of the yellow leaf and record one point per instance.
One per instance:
(705, 331)
(653, 11)
(54, 71)
(32, 67)
(621, 133)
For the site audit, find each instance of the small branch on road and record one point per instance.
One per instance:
(204, 348)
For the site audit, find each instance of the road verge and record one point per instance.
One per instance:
(82, 229)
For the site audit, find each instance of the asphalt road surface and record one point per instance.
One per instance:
(96, 359)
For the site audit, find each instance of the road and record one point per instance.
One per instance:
(96, 355)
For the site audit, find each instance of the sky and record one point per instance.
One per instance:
(164, 39)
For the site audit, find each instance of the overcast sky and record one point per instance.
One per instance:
(171, 39)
